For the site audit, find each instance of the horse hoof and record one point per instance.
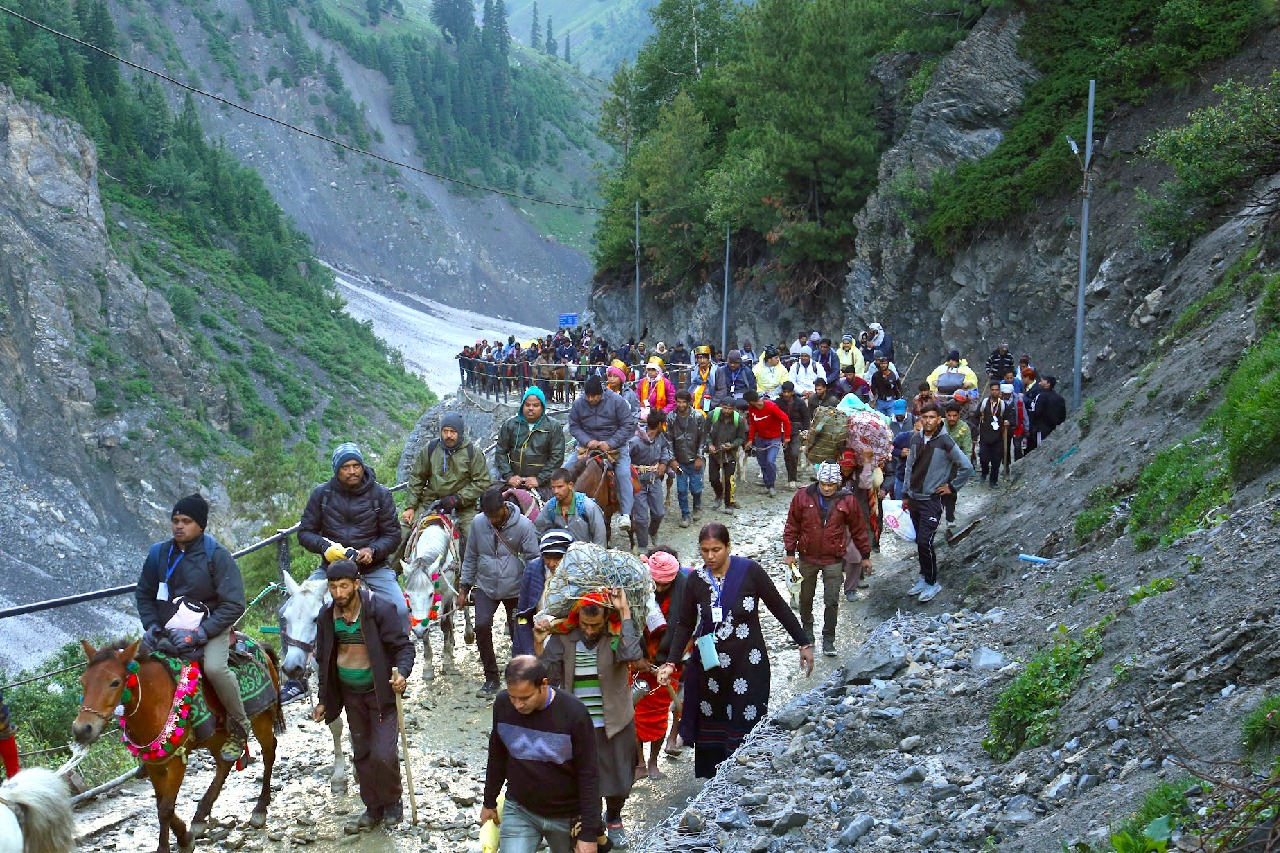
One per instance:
(338, 789)
(198, 829)
(259, 819)
(428, 673)
(469, 638)
(189, 847)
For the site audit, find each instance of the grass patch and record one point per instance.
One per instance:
(1026, 710)
(1261, 728)
(1249, 417)
(1179, 491)
(1086, 415)
(1209, 307)
(1099, 508)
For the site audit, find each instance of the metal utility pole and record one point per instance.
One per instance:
(637, 271)
(1085, 191)
(724, 308)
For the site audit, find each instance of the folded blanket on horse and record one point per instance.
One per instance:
(588, 568)
(256, 688)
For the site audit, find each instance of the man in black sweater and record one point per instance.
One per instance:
(543, 747)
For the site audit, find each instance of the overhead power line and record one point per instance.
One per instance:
(355, 150)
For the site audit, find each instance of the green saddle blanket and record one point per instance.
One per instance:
(253, 672)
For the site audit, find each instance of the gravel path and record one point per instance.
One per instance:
(448, 729)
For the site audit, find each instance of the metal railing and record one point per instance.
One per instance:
(506, 382)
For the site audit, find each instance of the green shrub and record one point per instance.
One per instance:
(1209, 307)
(1025, 711)
(1151, 589)
(42, 713)
(1149, 829)
(1261, 728)
(1096, 582)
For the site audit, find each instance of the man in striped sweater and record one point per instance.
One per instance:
(584, 662)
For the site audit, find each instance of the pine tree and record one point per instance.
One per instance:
(488, 30)
(535, 34)
(567, 57)
(402, 106)
(374, 10)
(455, 18)
(550, 43)
(500, 27)
(8, 59)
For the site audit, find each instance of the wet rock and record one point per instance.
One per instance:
(857, 828)
(909, 743)
(692, 820)
(788, 820)
(984, 659)
(792, 717)
(881, 661)
(732, 819)
(910, 775)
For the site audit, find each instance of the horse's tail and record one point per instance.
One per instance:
(277, 715)
(40, 798)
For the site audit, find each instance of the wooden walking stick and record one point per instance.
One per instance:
(404, 747)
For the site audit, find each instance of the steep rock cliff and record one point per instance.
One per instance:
(80, 489)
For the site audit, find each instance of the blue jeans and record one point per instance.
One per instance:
(688, 480)
(382, 583)
(626, 490)
(767, 456)
(521, 830)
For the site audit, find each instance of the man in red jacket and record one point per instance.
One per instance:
(820, 521)
(768, 429)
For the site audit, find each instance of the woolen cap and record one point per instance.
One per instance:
(555, 543)
(829, 472)
(593, 387)
(341, 570)
(195, 507)
(344, 453)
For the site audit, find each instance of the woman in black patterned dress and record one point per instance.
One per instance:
(724, 702)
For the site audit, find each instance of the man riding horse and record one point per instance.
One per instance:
(602, 423)
(530, 446)
(450, 474)
(191, 568)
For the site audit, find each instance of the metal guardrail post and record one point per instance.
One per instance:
(283, 559)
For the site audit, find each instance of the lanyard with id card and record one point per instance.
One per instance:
(162, 588)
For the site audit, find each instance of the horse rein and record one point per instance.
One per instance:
(107, 718)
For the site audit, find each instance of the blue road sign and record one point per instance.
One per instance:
(568, 320)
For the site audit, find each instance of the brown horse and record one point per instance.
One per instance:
(594, 482)
(145, 716)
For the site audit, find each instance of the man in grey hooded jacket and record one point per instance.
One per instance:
(501, 542)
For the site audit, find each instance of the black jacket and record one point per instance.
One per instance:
(206, 573)
(678, 586)
(798, 411)
(387, 642)
(363, 517)
(999, 363)
(1048, 411)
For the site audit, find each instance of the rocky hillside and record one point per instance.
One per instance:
(419, 234)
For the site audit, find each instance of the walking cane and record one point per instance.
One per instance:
(404, 747)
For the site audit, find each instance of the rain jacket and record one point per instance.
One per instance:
(438, 472)
(822, 537)
(967, 378)
(611, 421)
(530, 450)
(495, 566)
(768, 379)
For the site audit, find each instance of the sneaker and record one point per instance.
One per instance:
(770, 492)
(930, 592)
(393, 814)
(292, 690)
(488, 690)
(684, 521)
(618, 835)
(624, 522)
(728, 509)
(233, 746)
(851, 595)
(920, 587)
(697, 513)
(364, 823)
(829, 646)
(791, 484)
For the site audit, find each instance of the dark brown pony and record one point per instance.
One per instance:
(594, 481)
(145, 715)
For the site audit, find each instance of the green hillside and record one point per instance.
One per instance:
(601, 33)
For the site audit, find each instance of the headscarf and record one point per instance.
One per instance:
(663, 567)
(829, 472)
(612, 621)
(618, 373)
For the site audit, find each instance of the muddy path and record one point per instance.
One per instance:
(448, 727)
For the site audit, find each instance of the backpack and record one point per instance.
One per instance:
(579, 507)
(435, 442)
(737, 416)
(210, 545)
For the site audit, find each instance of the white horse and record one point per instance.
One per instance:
(35, 814)
(431, 578)
(298, 636)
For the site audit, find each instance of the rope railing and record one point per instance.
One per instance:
(506, 382)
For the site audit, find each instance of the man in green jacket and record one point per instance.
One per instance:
(530, 446)
(451, 473)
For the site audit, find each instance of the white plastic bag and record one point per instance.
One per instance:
(898, 520)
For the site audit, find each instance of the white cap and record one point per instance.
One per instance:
(1006, 388)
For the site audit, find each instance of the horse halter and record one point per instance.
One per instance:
(287, 640)
(107, 718)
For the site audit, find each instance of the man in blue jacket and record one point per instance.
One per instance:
(193, 568)
(552, 547)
